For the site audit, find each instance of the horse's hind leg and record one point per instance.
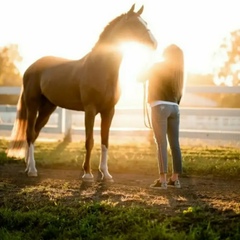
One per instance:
(32, 109)
(106, 120)
(90, 113)
(45, 110)
(34, 127)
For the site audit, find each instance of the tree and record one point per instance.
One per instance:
(227, 60)
(9, 73)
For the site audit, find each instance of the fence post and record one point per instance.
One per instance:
(67, 124)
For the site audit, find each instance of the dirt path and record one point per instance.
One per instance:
(54, 186)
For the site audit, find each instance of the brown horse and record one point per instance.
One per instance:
(89, 84)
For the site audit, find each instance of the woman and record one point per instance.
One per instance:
(164, 95)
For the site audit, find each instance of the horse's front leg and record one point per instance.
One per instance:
(106, 120)
(90, 114)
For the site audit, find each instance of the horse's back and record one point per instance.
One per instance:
(44, 63)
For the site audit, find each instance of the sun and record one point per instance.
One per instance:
(136, 58)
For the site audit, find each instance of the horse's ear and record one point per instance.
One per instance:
(140, 10)
(131, 9)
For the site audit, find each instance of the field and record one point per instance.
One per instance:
(58, 205)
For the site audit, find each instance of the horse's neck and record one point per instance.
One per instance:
(107, 54)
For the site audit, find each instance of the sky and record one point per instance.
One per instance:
(70, 28)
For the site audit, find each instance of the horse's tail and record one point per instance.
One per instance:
(18, 142)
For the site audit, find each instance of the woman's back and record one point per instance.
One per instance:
(166, 78)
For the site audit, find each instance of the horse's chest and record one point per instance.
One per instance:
(112, 94)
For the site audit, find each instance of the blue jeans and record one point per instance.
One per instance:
(165, 124)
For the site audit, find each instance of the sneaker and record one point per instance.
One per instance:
(175, 184)
(159, 185)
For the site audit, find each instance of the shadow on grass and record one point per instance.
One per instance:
(58, 199)
(61, 192)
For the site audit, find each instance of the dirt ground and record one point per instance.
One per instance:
(66, 187)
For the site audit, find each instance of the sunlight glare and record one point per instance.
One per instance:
(136, 59)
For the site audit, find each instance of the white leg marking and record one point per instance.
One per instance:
(103, 167)
(31, 165)
(27, 157)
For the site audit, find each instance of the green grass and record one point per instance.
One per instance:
(221, 161)
(105, 221)
(31, 215)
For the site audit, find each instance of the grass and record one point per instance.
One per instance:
(105, 221)
(223, 162)
(32, 214)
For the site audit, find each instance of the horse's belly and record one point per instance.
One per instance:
(71, 106)
(65, 99)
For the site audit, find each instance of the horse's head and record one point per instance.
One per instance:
(131, 27)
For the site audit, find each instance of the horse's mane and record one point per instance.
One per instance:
(108, 29)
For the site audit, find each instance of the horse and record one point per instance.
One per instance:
(90, 84)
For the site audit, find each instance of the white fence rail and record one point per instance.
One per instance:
(201, 123)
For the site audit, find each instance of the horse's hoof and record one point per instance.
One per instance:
(104, 176)
(32, 174)
(107, 180)
(88, 178)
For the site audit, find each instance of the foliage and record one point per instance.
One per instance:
(194, 79)
(222, 161)
(39, 211)
(227, 60)
(228, 100)
(224, 100)
(9, 73)
(105, 221)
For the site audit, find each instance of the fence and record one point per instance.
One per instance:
(201, 123)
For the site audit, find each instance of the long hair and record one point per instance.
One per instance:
(174, 59)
